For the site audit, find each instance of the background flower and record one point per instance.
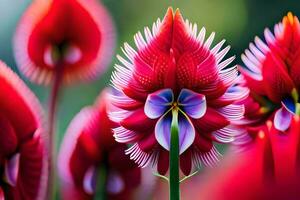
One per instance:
(72, 38)
(271, 72)
(87, 148)
(23, 158)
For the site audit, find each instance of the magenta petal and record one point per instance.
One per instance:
(163, 130)
(90, 180)
(12, 170)
(282, 119)
(158, 102)
(192, 103)
(186, 132)
(1, 194)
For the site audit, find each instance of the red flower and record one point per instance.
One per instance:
(89, 145)
(269, 169)
(23, 162)
(272, 73)
(72, 37)
(175, 69)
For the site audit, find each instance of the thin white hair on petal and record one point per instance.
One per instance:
(250, 63)
(259, 54)
(234, 93)
(245, 70)
(225, 63)
(118, 115)
(148, 35)
(261, 45)
(156, 27)
(278, 30)
(220, 55)
(233, 112)
(253, 59)
(139, 41)
(192, 29)
(217, 47)
(140, 157)
(228, 134)
(120, 100)
(125, 63)
(123, 135)
(129, 52)
(201, 36)
(229, 75)
(242, 138)
(209, 40)
(210, 158)
(270, 39)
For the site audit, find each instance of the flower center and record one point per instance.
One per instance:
(175, 105)
(63, 52)
(163, 106)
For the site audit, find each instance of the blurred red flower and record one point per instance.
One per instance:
(23, 160)
(72, 38)
(88, 146)
(269, 166)
(268, 169)
(272, 74)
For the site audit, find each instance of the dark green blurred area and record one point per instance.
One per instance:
(238, 21)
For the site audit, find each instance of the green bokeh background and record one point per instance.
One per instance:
(238, 21)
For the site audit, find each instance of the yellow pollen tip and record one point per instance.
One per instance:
(288, 19)
(174, 104)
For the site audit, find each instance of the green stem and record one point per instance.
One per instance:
(54, 95)
(101, 183)
(174, 159)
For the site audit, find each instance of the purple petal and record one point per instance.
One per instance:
(115, 183)
(12, 170)
(158, 102)
(163, 130)
(90, 180)
(282, 119)
(192, 103)
(185, 128)
(186, 132)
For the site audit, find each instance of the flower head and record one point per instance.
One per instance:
(23, 160)
(271, 72)
(175, 69)
(89, 145)
(72, 37)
